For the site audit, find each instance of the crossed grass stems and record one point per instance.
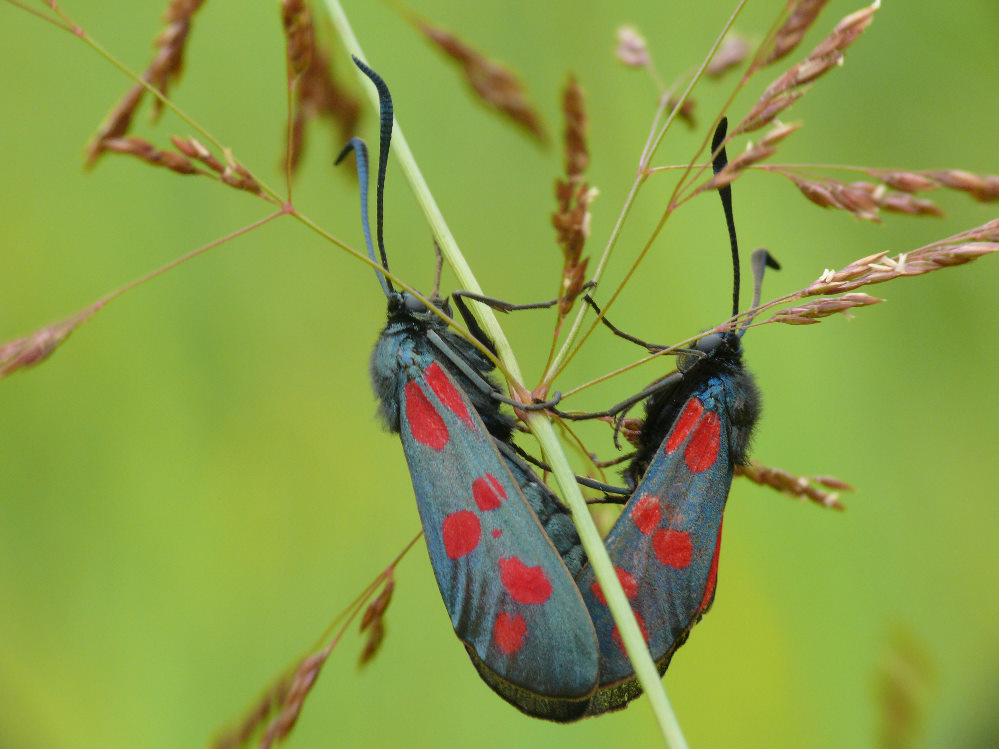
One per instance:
(834, 291)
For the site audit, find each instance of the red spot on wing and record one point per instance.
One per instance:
(702, 451)
(488, 492)
(628, 583)
(684, 424)
(461, 532)
(709, 590)
(450, 396)
(673, 548)
(425, 423)
(616, 635)
(497, 532)
(524, 584)
(508, 632)
(647, 513)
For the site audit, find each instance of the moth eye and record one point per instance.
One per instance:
(413, 304)
(709, 343)
(686, 362)
(706, 346)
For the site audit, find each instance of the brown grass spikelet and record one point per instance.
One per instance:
(494, 84)
(686, 112)
(779, 132)
(863, 199)
(790, 34)
(732, 51)
(169, 63)
(877, 268)
(854, 199)
(573, 195)
(766, 112)
(263, 709)
(754, 153)
(231, 173)
(146, 151)
(799, 487)
(297, 24)
(899, 202)
(902, 180)
(577, 158)
(195, 149)
(632, 49)
(846, 32)
(319, 94)
(984, 189)
(810, 312)
(832, 482)
(373, 620)
(301, 684)
(116, 124)
(164, 69)
(791, 85)
(37, 347)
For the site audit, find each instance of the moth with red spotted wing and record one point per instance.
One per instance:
(503, 548)
(665, 544)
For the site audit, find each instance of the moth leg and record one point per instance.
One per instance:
(481, 383)
(581, 480)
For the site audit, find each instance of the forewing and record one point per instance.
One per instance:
(510, 597)
(664, 545)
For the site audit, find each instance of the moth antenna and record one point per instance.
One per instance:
(718, 161)
(360, 149)
(384, 141)
(760, 260)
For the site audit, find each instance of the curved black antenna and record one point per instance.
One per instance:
(384, 141)
(360, 149)
(718, 161)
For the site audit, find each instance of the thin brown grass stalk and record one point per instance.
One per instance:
(35, 348)
(803, 14)
(806, 488)
(275, 713)
(162, 71)
(789, 87)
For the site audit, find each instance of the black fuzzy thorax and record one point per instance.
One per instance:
(405, 324)
(742, 403)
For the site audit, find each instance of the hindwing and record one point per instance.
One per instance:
(664, 546)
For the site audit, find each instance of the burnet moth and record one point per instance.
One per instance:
(502, 547)
(665, 544)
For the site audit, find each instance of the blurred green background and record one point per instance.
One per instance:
(195, 483)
